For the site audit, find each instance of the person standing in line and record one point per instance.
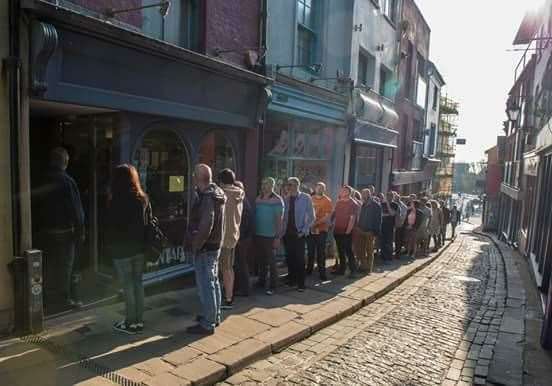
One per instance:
(399, 224)
(369, 224)
(232, 220)
(60, 227)
(127, 217)
(356, 196)
(269, 212)
(389, 216)
(446, 221)
(298, 220)
(323, 209)
(413, 221)
(454, 220)
(241, 287)
(205, 236)
(423, 230)
(345, 213)
(435, 224)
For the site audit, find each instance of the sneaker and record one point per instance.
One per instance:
(269, 292)
(301, 289)
(139, 327)
(124, 328)
(198, 329)
(226, 305)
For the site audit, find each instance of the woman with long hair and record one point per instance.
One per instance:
(126, 242)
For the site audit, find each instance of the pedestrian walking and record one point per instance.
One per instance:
(205, 237)
(389, 213)
(414, 219)
(345, 214)
(369, 224)
(269, 212)
(242, 265)
(399, 224)
(127, 216)
(455, 217)
(60, 228)
(323, 209)
(298, 220)
(435, 224)
(232, 219)
(446, 221)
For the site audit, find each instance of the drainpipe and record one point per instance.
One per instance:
(13, 66)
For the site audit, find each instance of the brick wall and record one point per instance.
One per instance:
(232, 24)
(132, 18)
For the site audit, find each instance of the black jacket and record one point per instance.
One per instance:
(206, 229)
(370, 218)
(126, 226)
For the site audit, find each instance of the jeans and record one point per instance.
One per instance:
(130, 270)
(265, 250)
(317, 251)
(208, 287)
(399, 240)
(345, 251)
(59, 264)
(296, 256)
(365, 253)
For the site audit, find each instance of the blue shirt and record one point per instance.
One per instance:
(266, 214)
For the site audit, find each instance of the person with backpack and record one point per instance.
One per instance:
(399, 224)
(126, 242)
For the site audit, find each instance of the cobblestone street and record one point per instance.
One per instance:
(438, 327)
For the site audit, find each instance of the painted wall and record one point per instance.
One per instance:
(376, 30)
(418, 34)
(6, 255)
(232, 24)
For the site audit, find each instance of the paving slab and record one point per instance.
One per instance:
(201, 371)
(238, 356)
(284, 335)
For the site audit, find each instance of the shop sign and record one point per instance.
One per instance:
(531, 166)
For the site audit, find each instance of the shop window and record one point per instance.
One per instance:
(306, 31)
(162, 162)
(386, 87)
(366, 69)
(217, 152)
(367, 166)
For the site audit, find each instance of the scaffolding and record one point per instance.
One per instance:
(446, 146)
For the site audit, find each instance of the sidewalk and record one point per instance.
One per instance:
(82, 348)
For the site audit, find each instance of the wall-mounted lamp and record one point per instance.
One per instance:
(513, 110)
(164, 7)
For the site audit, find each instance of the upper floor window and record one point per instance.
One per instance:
(385, 86)
(306, 31)
(435, 98)
(366, 69)
(388, 7)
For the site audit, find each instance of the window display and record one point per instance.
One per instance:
(162, 163)
(217, 152)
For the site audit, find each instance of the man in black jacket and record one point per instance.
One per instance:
(369, 224)
(60, 226)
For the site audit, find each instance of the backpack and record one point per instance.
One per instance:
(155, 239)
(400, 218)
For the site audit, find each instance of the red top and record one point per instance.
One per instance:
(343, 212)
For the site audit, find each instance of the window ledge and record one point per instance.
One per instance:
(390, 21)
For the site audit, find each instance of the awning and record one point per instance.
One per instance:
(372, 134)
(369, 108)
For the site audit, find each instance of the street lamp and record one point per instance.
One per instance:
(163, 9)
(513, 110)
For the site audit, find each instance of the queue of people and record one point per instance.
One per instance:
(223, 225)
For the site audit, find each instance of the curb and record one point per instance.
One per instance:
(319, 320)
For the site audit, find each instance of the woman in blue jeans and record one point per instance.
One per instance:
(126, 243)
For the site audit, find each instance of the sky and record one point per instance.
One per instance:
(469, 43)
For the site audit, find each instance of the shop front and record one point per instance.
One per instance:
(305, 136)
(158, 107)
(374, 138)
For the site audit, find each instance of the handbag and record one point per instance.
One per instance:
(155, 239)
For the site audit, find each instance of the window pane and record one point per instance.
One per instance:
(300, 12)
(304, 46)
(422, 91)
(308, 17)
(217, 152)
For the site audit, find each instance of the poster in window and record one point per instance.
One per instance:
(176, 184)
(299, 148)
(281, 146)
